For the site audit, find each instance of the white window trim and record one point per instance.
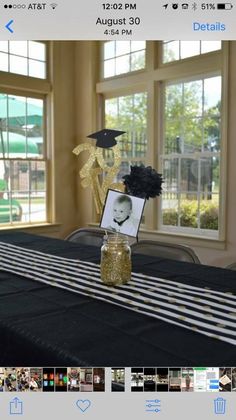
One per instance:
(151, 79)
(28, 86)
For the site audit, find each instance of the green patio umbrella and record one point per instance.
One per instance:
(21, 113)
(15, 116)
(15, 145)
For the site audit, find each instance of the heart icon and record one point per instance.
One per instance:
(83, 405)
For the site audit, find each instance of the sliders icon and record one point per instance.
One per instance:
(153, 405)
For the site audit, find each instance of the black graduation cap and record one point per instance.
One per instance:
(106, 137)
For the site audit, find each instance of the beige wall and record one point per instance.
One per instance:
(74, 75)
(86, 77)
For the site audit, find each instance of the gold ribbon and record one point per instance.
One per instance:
(96, 168)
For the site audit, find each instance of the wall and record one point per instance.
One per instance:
(86, 76)
(64, 210)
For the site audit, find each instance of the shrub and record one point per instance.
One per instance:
(209, 216)
(170, 217)
(189, 215)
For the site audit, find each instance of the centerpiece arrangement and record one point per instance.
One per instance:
(119, 204)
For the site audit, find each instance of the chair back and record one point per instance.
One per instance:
(91, 236)
(231, 266)
(87, 236)
(165, 250)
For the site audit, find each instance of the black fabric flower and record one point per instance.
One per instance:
(143, 182)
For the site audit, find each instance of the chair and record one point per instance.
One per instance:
(231, 266)
(91, 236)
(87, 236)
(165, 250)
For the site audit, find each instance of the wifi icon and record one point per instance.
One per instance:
(53, 5)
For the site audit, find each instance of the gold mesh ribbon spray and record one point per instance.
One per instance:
(97, 174)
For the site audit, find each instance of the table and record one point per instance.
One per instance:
(45, 326)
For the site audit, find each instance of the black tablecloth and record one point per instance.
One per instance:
(42, 325)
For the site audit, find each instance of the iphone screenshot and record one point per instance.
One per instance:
(117, 209)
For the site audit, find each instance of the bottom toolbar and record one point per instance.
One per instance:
(168, 406)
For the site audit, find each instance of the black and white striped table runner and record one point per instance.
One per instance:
(205, 311)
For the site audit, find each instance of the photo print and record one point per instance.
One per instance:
(122, 213)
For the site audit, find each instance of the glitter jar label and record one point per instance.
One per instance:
(115, 260)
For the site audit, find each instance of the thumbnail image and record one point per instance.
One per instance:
(48, 379)
(86, 379)
(74, 379)
(175, 379)
(149, 379)
(2, 379)
(187, 379)
(162, 380)
(23, 379)
(36, 379)
(212, 379)
(136, 379)
(99, 379)
(234, 379)
(117, 379)
(10, 379)
(60, 379)
(200, 379)
(225, 379)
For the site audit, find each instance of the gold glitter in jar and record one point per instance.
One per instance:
(115, 260)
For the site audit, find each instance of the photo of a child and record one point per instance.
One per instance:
(122, 213)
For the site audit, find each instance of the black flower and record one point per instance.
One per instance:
(143, 182)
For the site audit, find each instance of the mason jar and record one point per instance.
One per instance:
(115, 260)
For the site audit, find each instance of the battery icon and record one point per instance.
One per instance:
(224, 6)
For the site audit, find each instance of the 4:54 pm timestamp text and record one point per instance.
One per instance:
(125, 32)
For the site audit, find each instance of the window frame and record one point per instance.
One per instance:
(216, 64)
(121, 75)
(127, 159)
(28, 58)
(28, 86)
(186, 58)
(151, 79)
(196, 155)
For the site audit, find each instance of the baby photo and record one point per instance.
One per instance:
(122, 213)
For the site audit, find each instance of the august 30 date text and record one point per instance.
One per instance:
(121, 21)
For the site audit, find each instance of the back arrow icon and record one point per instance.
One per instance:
(8, 26)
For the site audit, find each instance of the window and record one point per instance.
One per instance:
(174, 118)
(123, 57)
(177, 50)
(22, 135)
(23, 57)
(191, 159)
(128, 113)
(22, 164)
